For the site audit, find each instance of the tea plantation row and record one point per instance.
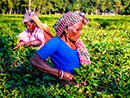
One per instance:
(108, 41)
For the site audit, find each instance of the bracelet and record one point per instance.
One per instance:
(60, 74)
(30, 43)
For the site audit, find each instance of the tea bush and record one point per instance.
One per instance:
(107, 40)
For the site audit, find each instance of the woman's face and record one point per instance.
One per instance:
(30, 26)
(74, 32)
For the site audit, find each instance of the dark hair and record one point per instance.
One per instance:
(31, 21)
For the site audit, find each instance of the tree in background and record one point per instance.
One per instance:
(24, 6)
(77, 5)
(6, 6)
(109, 5)
(29, 7)
(103, 5)
(126, 7)
(47, 6)
(117, 5)
(62, 6)
(3, 6)
(94, 4)
(69, 8)
(10, 6)
(85, 6)
(16, 6)
(58, 5)
(65, 4)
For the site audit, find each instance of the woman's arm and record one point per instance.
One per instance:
(39, 64)
(21, 43)
(34, 43)
(29, 43)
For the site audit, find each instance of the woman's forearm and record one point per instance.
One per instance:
(35, 42)
(39, 64)
(21, 43)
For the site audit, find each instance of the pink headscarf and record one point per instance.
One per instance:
(27, 17)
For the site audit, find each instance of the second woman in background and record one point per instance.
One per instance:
(34, 35)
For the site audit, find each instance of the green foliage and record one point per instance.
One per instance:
(107, 40)
(62, 6)
(86, 73)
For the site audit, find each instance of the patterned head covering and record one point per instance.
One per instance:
(27, 17)
(31, 16)
(67, 20)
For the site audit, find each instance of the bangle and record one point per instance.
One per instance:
(31, 42)
(60, 74)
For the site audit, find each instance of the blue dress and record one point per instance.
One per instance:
(63, 57)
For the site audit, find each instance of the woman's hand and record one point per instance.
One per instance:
(19, 44)
(67, 76)
(27, 43)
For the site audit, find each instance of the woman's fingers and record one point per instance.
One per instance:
(19, 44)
(67, 76)
(16, 47)
(27, 43)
